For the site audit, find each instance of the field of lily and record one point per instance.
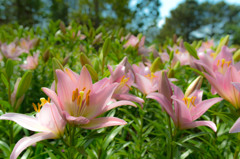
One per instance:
(75, 92)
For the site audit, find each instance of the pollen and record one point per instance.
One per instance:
(39, 106)
(150, 76)
(189, 101)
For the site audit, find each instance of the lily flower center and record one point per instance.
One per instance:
(223, 65)
(189, 101)
(124, 81)
(43, 102)
(13, 50)
(81, 99)
(150, 76)
(177, 52)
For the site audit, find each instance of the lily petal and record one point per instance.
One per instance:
(75, 120)
(236, 127)
(85, 80)
(143, 84)
(129, 97)
(65, 87)
(164, 102)
(53, 96)
(98, 101)
(201, 108)
(28, 141)
(103, 122)
(117, 104)
(25, 121)
(199, 123)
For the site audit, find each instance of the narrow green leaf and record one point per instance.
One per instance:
(9, 68)
(5, 81)
(5, 148)
(51, 155)
(24, 84)
(111, 136)
(191, 50)
(106, 47)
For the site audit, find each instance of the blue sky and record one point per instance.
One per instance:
(168, 5)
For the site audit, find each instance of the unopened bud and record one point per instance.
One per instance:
(65, 60)
(170, 73)
(223, 41)
(46, 55)
(62, 27)
(164, 86)
(156, 65)
(92, 72)
(97, 38)
(236, 56)
(84, 60)
(195, 85)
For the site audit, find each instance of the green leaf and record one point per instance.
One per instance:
(24, 84)
(189, 137)
(191, 50)
(106, 47)
(51, 155)
(9, 68)
(111, 136)
(5, 81)
(5, 148)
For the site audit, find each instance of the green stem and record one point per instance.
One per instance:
(236, 153)
(170, 146)
(9, 92)
(11, 132)
(141, 126)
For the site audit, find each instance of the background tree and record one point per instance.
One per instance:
(193, 21)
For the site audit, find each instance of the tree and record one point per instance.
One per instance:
(195, 21)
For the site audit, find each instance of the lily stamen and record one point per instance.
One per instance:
(189, 101)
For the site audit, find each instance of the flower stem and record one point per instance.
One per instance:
(170, 146)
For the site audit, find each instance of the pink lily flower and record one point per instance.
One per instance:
(27, 44)
(11, 51)
(186, 109)
(125, 81)
(146, 81)
(139, 44)
(206, 46)
(134, 42)
(215, 65)
(48, 122)
(222, 84)
(81, 102)
(32, 62)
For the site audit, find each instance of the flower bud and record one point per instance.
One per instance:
(196, 84)
(156, 65)
(84, 60)
(46, 55)
(236, 56)
(62, 27)
(92, 72)
(65, 60)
